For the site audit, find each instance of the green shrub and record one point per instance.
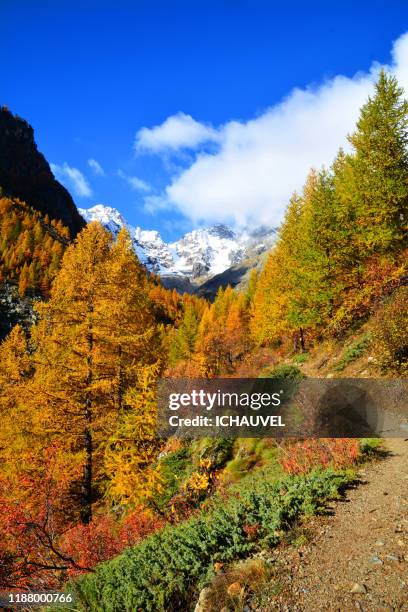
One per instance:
(301, 358)
(217, 450)
(283, 371)
(166, 571)
(353, 352)
(390, 333)
(176, 467)
(370, 446)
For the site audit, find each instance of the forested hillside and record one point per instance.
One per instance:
(84, 475)
(31, 247)
(342, 247)
(343, 241)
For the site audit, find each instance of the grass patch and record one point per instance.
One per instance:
(301, 358)
(218, 451)
(252, 453)
(298, 536)
(232, 586)
(261, 600)
(283, 371)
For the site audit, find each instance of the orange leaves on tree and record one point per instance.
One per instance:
(31, 246)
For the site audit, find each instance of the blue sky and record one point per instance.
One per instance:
(94, 78)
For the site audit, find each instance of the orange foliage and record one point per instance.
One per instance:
(303, 456)
(104, 538)
(31, 246)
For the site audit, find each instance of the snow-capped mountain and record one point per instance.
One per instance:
(201, 253)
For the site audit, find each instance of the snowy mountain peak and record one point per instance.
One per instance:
(106, 215)
(222, 231)
(201, 253)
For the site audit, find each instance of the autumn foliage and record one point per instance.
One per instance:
(104, 538)
(342, 244)
(81, 463)
(303, 456)
(78, 412)
(31, 246)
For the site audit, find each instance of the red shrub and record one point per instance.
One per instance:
(137, 526)
(251, 530)
(104, 538)
(91, 544)
(305, 455)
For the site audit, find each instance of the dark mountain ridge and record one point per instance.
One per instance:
(25, 173)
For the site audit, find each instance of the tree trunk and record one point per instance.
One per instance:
(86, 491)
(302, 340)
(120, 385)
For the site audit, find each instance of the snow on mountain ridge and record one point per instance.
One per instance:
(108, 216)
(202, 252)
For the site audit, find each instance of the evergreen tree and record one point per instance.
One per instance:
(184, 340)
(315, 278)
(379, 177)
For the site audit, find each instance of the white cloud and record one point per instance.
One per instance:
(136, 183)
(177, 132)
(259, 163)
(96, 167)
(156, 203)
(73, 179)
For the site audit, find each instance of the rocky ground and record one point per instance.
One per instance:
(356, 558)
(15, 309)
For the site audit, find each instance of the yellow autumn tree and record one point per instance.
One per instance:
(68, 361)
(269, 304)
(238, 341)
(16, 371)
(133, 477)
(208, 344)
(223, 336)
(270, 319)
(94, 336)
(126, 334)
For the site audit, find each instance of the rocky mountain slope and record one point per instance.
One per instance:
(25, 173)
(15, 308)
(196, 257)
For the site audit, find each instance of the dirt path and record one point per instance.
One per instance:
(362, 547)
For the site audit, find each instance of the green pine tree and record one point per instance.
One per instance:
(379, 177)
(183, 342)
